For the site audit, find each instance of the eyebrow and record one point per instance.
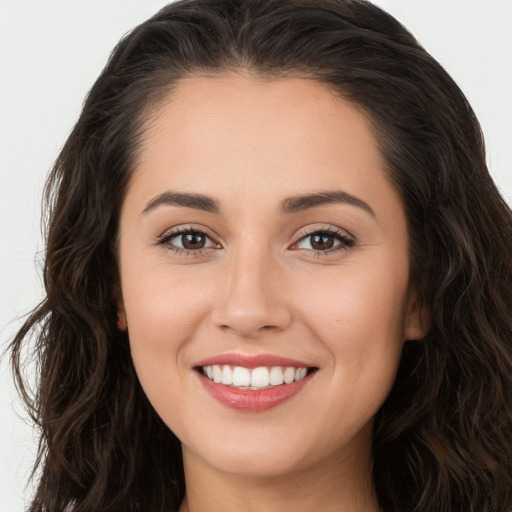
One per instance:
(304, 202)
(291, 205)
(187, 200)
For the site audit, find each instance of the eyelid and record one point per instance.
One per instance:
(168, 234)
(180, 228)
(346, 239)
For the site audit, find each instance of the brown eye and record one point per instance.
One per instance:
(188, 240)
(193, 240)
(322, 241)
(325, 241)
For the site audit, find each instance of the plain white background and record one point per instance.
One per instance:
(50, 54)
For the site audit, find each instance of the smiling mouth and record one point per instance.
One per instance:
(259, 378)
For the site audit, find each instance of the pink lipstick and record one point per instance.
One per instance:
(253, 383)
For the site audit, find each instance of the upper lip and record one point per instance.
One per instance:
(252, 361)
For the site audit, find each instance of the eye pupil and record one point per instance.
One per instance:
(322, 241)
(193, 240)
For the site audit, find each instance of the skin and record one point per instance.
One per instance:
(259, 287)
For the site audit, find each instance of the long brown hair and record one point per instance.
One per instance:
(443, 438)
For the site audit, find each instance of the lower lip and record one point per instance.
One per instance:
(253, 400)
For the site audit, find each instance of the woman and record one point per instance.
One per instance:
(278, 275)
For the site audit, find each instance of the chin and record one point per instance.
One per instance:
(258, 464)
(261, 457)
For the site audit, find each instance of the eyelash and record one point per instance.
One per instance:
(166, 239)
(345, 241)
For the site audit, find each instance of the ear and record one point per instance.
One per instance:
(121, 316)
(417, 318)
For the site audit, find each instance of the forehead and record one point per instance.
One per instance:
(216, 134)
(241, 108)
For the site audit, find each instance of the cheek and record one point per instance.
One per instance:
(358, 299)
(359, 316)
(164, 310)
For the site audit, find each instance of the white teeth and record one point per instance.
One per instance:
(227, 375)
(260, 378)
(217, 373)
(300, 373)
(257, 378)
(289, 375)
(276, 376)
(241, 376)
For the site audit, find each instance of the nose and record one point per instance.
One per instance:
(251, 301)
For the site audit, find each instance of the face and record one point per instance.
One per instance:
(264, 274)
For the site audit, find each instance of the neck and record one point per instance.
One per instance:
(339, 484)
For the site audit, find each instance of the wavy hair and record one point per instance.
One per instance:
(443, 438)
